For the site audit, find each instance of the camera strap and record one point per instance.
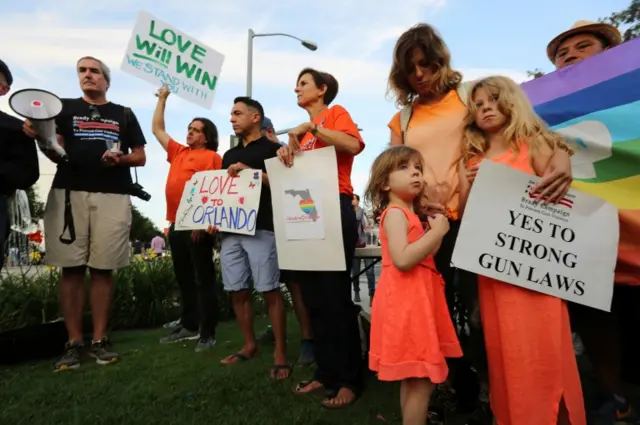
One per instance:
(125, 127)
(68, 220)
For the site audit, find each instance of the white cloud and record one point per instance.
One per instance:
(46, 42)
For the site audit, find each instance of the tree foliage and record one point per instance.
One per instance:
(142, 228)
(627, 21)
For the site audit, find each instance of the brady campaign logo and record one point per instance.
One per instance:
(566, 201)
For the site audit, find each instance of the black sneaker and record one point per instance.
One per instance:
(100, 352)
(71, 358)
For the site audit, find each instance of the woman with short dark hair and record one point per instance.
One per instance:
(327, 294)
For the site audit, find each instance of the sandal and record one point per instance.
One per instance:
(236, 358)
(277, 368)
(299, 389)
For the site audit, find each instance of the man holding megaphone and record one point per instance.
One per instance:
(18, 159)
(88, 213)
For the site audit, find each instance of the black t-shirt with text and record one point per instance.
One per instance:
(88, 130)
(253, 156)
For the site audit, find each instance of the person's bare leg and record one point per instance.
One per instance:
(415, 408)
(300, 309)
(243, 310)
(100, 294)
(72, 300)
(278, 319)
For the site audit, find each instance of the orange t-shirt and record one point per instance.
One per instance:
(185, 162)
(436, 131)
(336, 118)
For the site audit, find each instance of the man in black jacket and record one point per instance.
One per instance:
(18, 159)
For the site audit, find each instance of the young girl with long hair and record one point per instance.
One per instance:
(533, 374)
(411, 329)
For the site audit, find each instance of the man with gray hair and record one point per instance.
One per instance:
(87, 217)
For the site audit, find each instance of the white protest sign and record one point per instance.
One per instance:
(214, 198)
(567, 250)
(310, 245)
(161, 54)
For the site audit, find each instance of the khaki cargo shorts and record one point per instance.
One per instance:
(102, 224)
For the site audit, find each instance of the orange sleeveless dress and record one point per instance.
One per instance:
(411, 329)
(532, 365)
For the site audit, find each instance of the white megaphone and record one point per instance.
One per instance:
(41, 108)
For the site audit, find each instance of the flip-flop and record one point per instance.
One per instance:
(236, 358)
(304, 384)
(278, 367)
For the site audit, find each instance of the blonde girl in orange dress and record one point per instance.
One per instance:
(533, 374)
(411, 329)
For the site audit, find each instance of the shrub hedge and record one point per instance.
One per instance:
(146, 295)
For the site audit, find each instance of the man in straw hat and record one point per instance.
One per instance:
(605, 335)
(583, 40)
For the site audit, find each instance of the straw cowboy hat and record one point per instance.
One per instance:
(606, 31)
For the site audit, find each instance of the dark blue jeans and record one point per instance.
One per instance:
(355, 274)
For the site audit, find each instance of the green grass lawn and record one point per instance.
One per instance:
(158, 384)
(171, 384)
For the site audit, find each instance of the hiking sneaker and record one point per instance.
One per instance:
(71, 358)
(307, 358)
(180, 334)
(267, 337)
(205, 344)
(100, 351)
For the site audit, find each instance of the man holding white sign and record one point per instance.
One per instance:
(243, 257)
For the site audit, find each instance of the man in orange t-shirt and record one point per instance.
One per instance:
(610, 339)
(191, 252)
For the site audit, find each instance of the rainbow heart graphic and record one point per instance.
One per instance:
(307, 205)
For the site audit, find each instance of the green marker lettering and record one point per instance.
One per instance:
(198, 51)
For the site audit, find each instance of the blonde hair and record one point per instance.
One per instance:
(427, 39)
(523, 125)
(386, 163)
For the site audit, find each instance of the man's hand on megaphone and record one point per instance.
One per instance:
(111, 158)
(28, 129)
(164, 92)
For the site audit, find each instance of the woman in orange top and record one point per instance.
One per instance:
(327, 295)
(533, 373)
(425, 85)
(191, 252)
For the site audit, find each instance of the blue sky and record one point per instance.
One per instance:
(41, 44)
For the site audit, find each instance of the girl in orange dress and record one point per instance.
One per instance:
(533, 374)
(411, 329)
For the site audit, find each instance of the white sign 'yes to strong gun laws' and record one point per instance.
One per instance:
(567, 250)
(161, 54)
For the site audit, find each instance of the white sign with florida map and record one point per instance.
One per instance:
(306, 211)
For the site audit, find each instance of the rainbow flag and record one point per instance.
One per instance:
(596, 103)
